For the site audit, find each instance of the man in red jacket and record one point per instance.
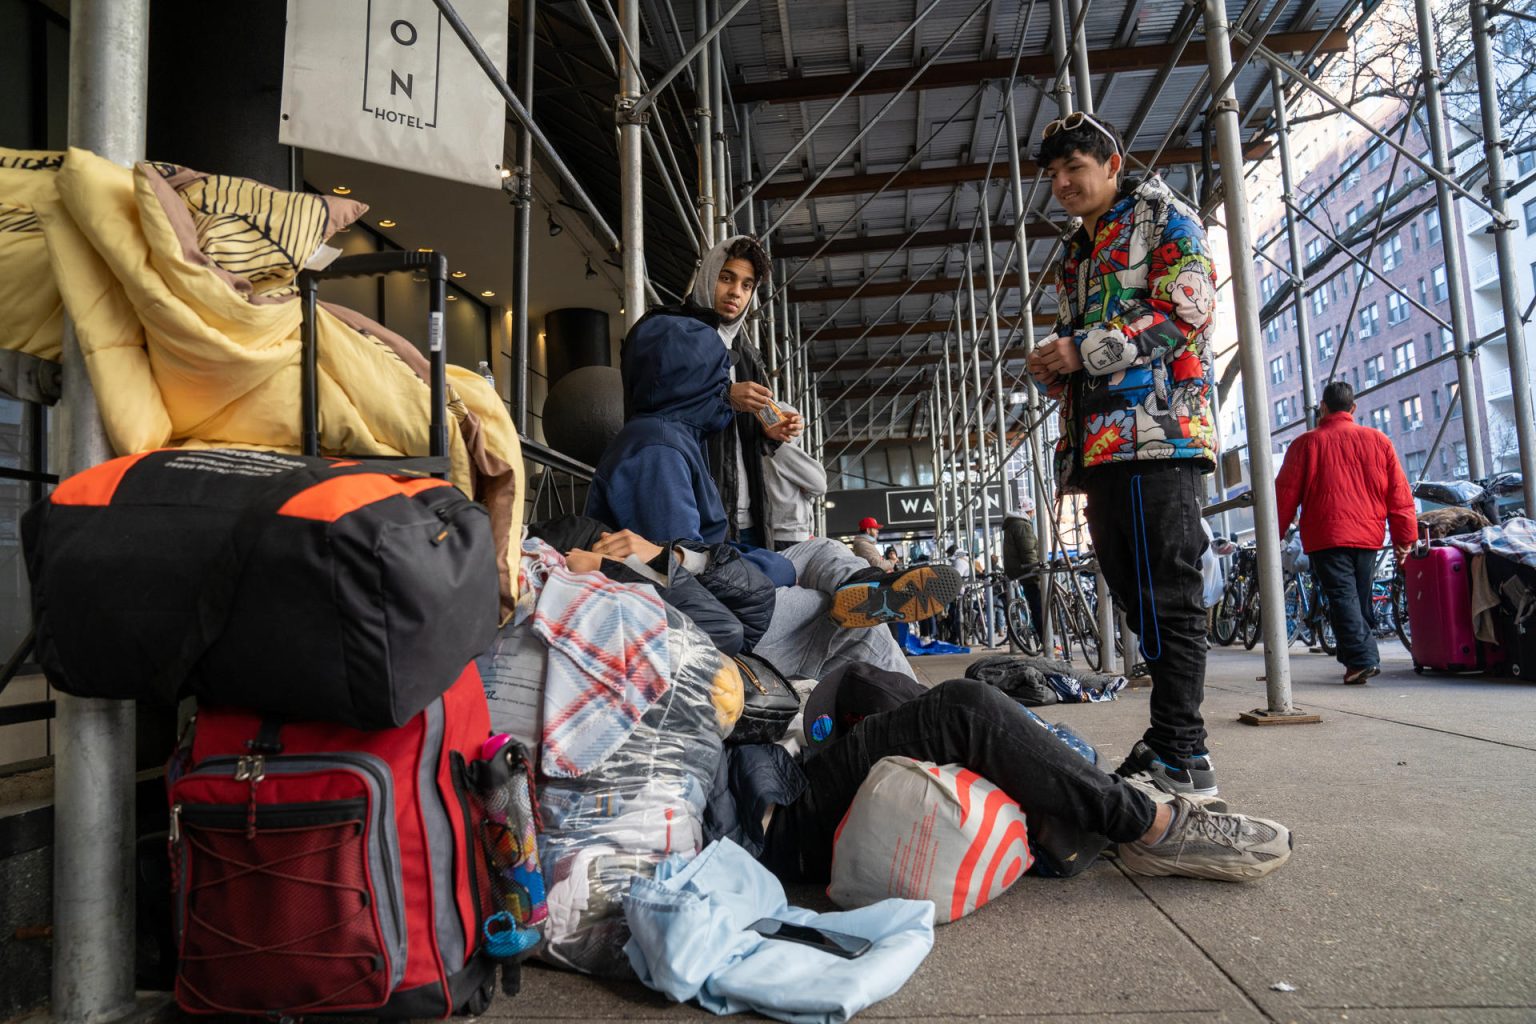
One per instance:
(1347, 479)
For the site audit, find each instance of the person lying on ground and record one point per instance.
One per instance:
(786, 807)
(804, 631)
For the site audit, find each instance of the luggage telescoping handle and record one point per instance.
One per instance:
(374, 264)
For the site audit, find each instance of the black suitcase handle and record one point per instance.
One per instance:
(373, 264)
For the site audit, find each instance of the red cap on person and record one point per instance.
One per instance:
(869, 523)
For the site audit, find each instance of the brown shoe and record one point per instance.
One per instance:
(1354, 676)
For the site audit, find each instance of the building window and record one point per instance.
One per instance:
(1379, 196)
(1525, 163)
(1282, 412)
(1355, 213)
(1377, 156)
(1437, 281)
(1423, 292)
(1319, 302)
(1314, 250)
(1381, 419)
(1432, 226)
(1277, 371)
(1447, 339)
(1375, 370)
(1459, 451)
(1413, 235)
(1325, 345)
(1370, 321)
(1272, 331)
(1413, 465)
(1352, 178)
(1391, 253)
(1397, 308)
(1530, 218)
(1403, 358)
(1434, 402)
(1267, 287)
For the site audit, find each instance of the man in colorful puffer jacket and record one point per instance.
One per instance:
(1130, 363)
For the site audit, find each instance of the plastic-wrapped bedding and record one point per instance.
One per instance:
(643, 803)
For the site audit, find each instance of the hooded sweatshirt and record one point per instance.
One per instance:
(654, 477)
(736, 456)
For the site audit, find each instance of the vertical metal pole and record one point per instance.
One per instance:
(745, 119)
(522, 228)
(791, 343)
(1277, 663)
(94, 827)
(1032, 404)
(1082, 77)
(1061, 54)
(1309, 395)
(717, 103)
(1445, 203)
(937, 453)
(704, 137)
(1514, 329)
(981, 445)
(951, 447)
(631, 165)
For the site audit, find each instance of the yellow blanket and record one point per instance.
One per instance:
(179, 358)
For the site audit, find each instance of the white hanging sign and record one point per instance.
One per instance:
(389, 82)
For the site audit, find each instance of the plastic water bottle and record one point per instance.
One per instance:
(484, 370)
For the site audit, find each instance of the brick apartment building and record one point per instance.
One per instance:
(1386, 337)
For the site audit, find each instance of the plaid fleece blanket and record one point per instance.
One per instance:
(607, 659)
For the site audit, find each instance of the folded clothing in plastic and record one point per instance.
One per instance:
(690, 941)
(642, 803)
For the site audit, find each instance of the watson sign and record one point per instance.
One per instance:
(909, 509)
(389, 82)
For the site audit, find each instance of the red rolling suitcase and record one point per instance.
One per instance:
(1439, 589)
(323, 869)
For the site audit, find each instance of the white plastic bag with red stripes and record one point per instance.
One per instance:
(920, 831)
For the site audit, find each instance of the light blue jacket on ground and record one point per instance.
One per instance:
(690, 941)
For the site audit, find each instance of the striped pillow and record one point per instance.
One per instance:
(262, 234)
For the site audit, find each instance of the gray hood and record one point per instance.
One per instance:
(702, 291)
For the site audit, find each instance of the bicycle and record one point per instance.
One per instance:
(1072, 606)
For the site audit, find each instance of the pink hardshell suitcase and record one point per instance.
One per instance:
(1440, 609)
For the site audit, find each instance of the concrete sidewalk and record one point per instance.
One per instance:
(1410, 896)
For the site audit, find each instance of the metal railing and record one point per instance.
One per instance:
(559, 487)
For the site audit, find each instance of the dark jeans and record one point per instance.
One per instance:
(1145, 523)
(962, 722)
(1345, 574)
(1031, 588)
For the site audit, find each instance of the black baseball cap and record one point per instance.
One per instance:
(849, 694)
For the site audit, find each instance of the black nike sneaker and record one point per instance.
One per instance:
(873, 598)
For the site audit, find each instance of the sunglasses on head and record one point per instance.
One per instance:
(1076, 120)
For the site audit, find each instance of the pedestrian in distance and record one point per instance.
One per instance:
(865, 546)
(1347, 480)
(1130, 362)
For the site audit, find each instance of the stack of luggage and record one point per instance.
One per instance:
(346, 836)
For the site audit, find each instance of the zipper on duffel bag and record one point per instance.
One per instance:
(382, 842)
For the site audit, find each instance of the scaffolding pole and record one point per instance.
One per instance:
(981, 433)
(717, 112)
(1082, 77)
(1514, 328)
(1063, 57)
(1298, 268)
(1450, 240)
(522, 228)
(1032, 399)
(703, 139)
(1277, 664)
(94, 739)
(631, 163)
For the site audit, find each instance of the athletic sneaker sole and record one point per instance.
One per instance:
(915, 594)
(1359, 676)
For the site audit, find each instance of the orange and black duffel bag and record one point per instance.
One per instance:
(305, 588)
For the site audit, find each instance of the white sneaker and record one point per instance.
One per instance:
(1206, 844)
